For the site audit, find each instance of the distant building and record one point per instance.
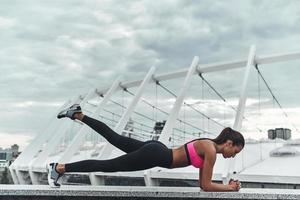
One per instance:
(7, 156)
(129, 128)
(15, 150)
(5, 159)
(283, 133)
(158, 129)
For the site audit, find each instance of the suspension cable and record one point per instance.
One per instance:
(146, 102)
(204, 115)
(189, 105)
(218, 94)
(140, 114)
(132, 120)
(259, 97)
(191, 125)
(118, 115)
(274, 98)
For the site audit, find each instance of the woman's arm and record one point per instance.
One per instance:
(200, 178)
(205, 174)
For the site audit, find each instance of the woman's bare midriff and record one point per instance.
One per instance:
(179, 157)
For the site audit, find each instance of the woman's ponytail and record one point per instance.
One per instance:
(229, 134)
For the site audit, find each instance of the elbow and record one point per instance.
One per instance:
(201, 187)
(206, 187)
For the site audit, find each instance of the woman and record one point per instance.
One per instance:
(201, 153)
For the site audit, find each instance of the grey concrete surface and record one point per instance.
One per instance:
(44, 192)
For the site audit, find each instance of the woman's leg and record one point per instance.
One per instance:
(150, 155)
(126, 144)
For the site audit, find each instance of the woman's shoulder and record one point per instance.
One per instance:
(206, 141)
(205, 146)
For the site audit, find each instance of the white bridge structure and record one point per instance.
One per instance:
(189, 105)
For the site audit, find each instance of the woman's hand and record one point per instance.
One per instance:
(234, 185)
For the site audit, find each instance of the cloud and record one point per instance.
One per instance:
(53, 51)
(6, 23)
(7, 140)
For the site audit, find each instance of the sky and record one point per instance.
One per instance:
(54, 50)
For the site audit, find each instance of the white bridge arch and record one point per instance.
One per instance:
(29, 167)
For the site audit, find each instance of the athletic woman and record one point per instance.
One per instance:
(201, 153)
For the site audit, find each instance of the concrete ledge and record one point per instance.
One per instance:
(44, 192)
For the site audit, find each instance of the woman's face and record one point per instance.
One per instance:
(231, 150)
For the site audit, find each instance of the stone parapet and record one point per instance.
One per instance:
(44, 192)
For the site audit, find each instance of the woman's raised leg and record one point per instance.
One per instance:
(124, 143)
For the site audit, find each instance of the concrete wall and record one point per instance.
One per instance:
(44, 192)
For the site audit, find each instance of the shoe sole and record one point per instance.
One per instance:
(61, 116)
(63, 113)
(50, 180)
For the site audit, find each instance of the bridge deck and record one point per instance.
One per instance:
(44, 192)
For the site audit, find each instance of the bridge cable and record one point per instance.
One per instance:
(276, 100)
(219, 95)
(193, 108)
(149, 104)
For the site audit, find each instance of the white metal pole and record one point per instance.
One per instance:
(30, 151)
(215, 67)
(35, 145)
(14, 175)
(229, 166)
(55, 136)
(79, 138)
(123, 120)
(89, 96)
(51, 146)
(125, 117)
(167, 130)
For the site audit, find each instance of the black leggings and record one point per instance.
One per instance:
(139, 155)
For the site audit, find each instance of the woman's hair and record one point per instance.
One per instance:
(229, 134)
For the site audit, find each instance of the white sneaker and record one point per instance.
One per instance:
(53, 175)
(70, 112)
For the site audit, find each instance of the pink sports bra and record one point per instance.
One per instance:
(192, 155)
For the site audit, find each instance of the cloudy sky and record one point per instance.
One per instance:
(53, 50)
